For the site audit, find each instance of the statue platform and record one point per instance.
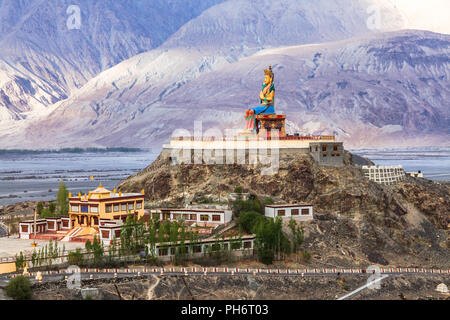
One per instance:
(270, 122)
(265, 125)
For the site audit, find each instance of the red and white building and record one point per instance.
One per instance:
(300, 212)
(109, 229)
(200, 217)
(47, 225)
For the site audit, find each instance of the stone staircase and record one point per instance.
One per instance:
(72, 233)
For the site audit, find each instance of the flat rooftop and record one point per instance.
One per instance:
(289, 205)
(11, 246)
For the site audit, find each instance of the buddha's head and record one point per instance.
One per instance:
(268, 78)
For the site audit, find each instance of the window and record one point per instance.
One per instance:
(247, 244)
(172, 251)
(196, 249)
(194, 217)
(139, 205)
(24, 228)
(294, 212)
(317, 148)
(324, 147)
(236, 245)
(117, 233)
(50, 224)
(105, 234)
(94, 209)
(216, 247)
(185, 216)
(204, 217)
(131, 206)
(123, 207)
(281, 213)
(116, 208)
(216, 217)
(225, 246)
(305, 212)
(163, 251)
(74, 208)
(335, 147)
(108, 208)
(84, 209)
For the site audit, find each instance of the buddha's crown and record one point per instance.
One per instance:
(269, 71)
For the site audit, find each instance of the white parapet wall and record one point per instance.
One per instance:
(386, 175)
(245, 143)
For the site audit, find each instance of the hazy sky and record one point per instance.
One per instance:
(433, 15)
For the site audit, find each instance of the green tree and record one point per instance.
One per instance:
(62, 200)
(20, 261)
(297, 232)
(270, 240)
(97, 248)
(52, 208)
(39, 208)
(19, 288)
(248, 221)
(34, 258)
(252, 204)
(45, 213)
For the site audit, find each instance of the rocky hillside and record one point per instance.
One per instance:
(357, 221)
(247, 288)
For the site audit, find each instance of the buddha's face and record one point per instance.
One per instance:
(267, 79)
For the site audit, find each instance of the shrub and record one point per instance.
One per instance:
(19, 288)
(306, 255)
(252, 204)
(238, 190)
(248, 221)
(268, 201)
(75, 258)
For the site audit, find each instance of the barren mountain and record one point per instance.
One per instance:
(42, 60)
(388, 89)
(63, 60)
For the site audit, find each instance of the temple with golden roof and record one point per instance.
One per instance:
(87, 210)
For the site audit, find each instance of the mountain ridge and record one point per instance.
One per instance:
(335, 90)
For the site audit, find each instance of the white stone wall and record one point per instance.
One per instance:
(273, 212)
(386, 175)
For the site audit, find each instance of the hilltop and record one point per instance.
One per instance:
(357, 222)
